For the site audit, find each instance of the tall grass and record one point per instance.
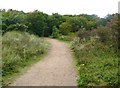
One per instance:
(18, 48)
(97, 60)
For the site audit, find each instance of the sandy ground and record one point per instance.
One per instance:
(55, 69)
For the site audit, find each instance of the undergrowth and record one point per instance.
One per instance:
(18, 50)
(97, 62)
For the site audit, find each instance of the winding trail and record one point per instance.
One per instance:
(55, 69)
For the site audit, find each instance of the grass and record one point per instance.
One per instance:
(97, 64)
(20, 49)
(8, 79)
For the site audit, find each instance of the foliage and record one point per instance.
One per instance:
(97, 56)
(36, 23)
(18, 48)
(65, 28)
(12, 17)
(70, 37)
(55, 33)
(55, 20)
(97, 64)
(94, 33)
(105, 20)
(17, 27)
(42, 24)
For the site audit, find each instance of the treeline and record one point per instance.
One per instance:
(42, 24)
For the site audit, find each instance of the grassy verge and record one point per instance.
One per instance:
(8, 79)
(19, 50)
(97, 64)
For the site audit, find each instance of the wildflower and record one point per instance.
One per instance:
(82, 64)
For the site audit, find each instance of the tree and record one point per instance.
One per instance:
(54, 20)
(12, 17)
(65, 28)
(36, 23)
(75, 23)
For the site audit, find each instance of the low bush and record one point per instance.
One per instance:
(55, 32)
(97, 63)
(18, 48)
(17, 27)
(69, 37)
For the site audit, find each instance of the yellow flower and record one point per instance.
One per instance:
(82, 64)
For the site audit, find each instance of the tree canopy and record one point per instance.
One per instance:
(42, 24)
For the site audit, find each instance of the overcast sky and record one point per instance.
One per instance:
(98, 7)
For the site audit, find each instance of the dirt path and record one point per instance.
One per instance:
(54, 70)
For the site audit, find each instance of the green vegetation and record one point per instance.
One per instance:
(95, 47)
(18, 50)
(97, 64)
(65, 28)
(97, 57)
(70, 37)
(55, 33)
(42, 24)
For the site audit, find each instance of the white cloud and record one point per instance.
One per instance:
(99, 7)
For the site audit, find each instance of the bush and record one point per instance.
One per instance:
(97, 64)
(18, 48)
(69, 37)
(106, 35)
(55, 32)
(17, 27)
(4, 27)
(96, 56)
(65, 28)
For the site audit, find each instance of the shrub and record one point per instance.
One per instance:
(65, 28)
(4, 27)
(55, 32)
(97, 64)
(17, 27)
(18, 48)
(69, 37)
(96, 56)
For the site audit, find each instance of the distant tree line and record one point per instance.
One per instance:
(42, 24)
